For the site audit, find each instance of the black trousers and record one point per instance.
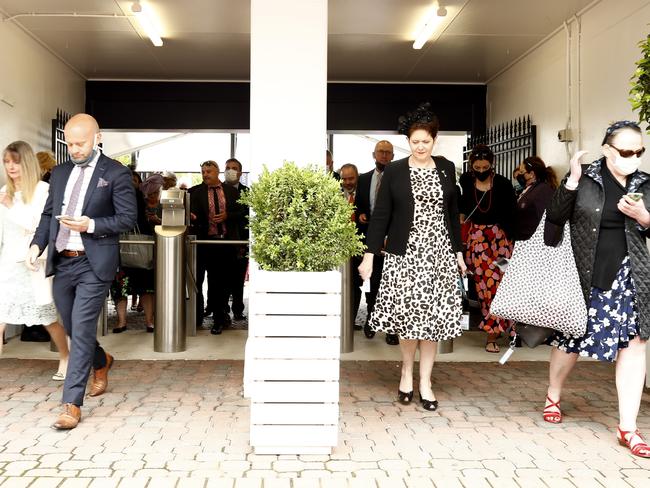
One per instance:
(217, 261)
(240, 266)
(375, 280)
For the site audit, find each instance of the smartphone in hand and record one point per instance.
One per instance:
(635, 196)
(68, 218)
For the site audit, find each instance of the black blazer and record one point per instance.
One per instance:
(362, 200)
(242, 223)
(200, 207)
(393, 215)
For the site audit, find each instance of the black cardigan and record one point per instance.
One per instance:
(583, 209)
(530, 208)
(393, 213)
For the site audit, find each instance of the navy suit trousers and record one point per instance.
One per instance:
(79, 296)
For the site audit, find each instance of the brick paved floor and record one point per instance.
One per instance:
(184, 424)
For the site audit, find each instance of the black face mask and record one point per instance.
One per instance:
(482, 175)
(521, 180)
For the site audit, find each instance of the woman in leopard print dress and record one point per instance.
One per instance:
(416, 214)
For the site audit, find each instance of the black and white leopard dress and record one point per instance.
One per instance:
(418, 296)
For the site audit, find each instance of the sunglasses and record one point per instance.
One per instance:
(482, 155)
(208, 163)
(628, 153)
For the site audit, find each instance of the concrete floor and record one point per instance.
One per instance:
(137, 344)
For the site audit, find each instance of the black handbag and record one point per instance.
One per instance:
(532, 335)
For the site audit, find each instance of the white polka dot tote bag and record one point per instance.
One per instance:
(541, 286)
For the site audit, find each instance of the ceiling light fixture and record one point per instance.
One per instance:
(145, 20)
(431, 22)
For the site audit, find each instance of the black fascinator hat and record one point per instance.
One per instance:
(420, 118)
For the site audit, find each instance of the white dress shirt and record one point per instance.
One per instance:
(373, 189)
(74, 242)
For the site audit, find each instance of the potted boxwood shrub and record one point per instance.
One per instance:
(301, 234)
(640, 92)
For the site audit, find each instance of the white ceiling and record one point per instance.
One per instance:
(369, 40)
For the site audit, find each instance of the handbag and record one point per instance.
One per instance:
(466, 226)
(533, 336)
(541, 286)
(136, 255)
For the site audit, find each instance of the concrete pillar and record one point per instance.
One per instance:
(288, 82)
(288, 119)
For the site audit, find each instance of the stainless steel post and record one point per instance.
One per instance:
(169, 334)
(347, 300)
(446, 347)
(190, 286)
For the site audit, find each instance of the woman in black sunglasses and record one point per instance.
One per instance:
(608, 206)
(487, 206)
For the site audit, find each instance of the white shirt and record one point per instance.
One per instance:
(74, 242)
(373, 188)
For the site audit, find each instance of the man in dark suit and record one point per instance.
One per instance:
(214, 213)
(368, 188)
(349, 181)
(232, 177)
(91, 201)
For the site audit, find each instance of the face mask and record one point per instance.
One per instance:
(521, 180)
(482, 175)
(231, 176)
(627, 166)
(89, 158)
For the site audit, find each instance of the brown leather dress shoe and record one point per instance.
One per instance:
(69, 418)
(100, 378)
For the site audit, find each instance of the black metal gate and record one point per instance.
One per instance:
(59, 148)
(511, 143)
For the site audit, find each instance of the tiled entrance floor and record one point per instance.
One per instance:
(185, 424)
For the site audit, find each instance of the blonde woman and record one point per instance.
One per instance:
(25, 296)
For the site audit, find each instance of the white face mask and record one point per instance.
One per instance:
(231, 176)
(90, 157)
(627, 166)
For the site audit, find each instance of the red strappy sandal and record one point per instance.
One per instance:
(640, 448)
(553, 417)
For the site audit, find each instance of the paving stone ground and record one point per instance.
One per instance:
(185, 424)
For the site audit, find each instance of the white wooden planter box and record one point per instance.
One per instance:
(291, 372)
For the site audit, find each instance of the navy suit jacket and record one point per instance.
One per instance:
(111, 204)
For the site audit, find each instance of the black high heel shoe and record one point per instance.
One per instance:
(404, 398)
(430, 405)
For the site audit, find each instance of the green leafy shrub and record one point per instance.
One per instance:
(300, 221)
(640, 92)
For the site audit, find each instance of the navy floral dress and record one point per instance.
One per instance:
(612, 320)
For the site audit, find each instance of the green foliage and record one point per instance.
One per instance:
(300, 221)
(640, 92)
(125, 159)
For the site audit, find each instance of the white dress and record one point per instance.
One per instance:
(418, 296)
(25, 296)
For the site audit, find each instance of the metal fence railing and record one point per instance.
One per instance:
(511, 143)
(59, 147)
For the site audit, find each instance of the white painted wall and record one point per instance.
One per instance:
(537, 84)
(37, 83)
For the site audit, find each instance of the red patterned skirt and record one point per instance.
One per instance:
(485, 245)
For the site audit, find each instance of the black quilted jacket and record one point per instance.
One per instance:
(582, 207)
